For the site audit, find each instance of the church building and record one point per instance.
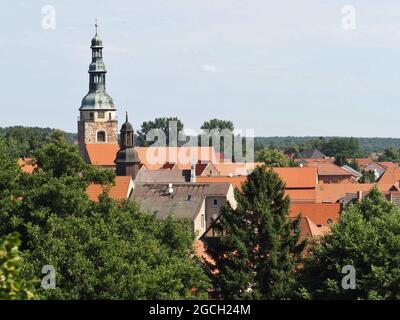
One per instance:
(97, 123)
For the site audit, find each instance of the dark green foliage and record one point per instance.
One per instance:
(367, 145)
(105, 250)
(391, 154)
(159, 123)
(218, 125)
(340, 160)
(257, 251)
(274, 158)
(116, 252)
(368, 238)
(367, 177)
(24, 141)
(341, 147)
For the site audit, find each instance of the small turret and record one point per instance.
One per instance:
(127, 161)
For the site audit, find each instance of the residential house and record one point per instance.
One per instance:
(356, 174)
(200, 203)
(328, 172)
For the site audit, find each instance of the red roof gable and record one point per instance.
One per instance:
(120, 191)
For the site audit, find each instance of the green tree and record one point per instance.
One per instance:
(218, 124)
(367, 238)
(117, 252)
(257, 250)
(274, 158)
(391, 154)
(340, 160)
(345, 147)
(105, 250)
(24, 141)
(12, 284)
(158, 124)
(367, 177)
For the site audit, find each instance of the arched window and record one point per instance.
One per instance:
(101, 136)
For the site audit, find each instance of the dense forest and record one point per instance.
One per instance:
(24, 141)
(367, 145)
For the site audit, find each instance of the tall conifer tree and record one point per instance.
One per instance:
(256, 251)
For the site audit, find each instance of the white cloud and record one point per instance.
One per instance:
(209, 68)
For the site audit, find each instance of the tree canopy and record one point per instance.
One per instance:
(256, 253)
(162, 124)
(104, 250)
(274, 158)
(367, 238)
(218, 125)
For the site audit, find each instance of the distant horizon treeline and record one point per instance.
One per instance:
(25, 139)
(367, 145)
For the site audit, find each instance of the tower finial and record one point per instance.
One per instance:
(96, 25)
(126, 113)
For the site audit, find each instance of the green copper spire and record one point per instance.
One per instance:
(97, 97)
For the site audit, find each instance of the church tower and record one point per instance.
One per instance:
(97, 121)
(127, 161)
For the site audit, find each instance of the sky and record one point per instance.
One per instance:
(282, 68)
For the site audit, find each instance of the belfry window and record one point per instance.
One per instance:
(101, 136)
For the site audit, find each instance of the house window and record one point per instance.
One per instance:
(203, 220)
(101, 136)
(215, 202)
(188, 197)
(100, 115)
(91, 116)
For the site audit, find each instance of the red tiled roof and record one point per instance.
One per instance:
(363, 162)
(294, 178)
(298, 177)
(103, 154)
(236, 181)
(319, 213)
(387, 164)
(391, 176)
(236, 168)
(308, 229)
(119, 191)
(201, 252)
(327, 168)
(334, 192)
(302, 195)
(26, 165)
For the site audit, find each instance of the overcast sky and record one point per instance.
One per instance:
(284, 67)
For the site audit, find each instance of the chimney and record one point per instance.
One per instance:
(193, 173)
(359, 195)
